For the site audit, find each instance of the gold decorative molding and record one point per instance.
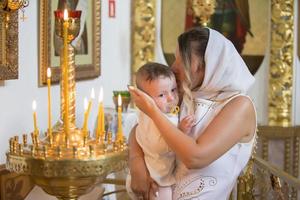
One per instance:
(9, 46)
(281, 63)
(143, 33)
(110, 162)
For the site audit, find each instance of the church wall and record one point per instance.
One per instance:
(16, 96)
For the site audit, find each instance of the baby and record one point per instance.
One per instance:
(158, 81)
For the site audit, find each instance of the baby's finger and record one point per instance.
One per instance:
(188, 119)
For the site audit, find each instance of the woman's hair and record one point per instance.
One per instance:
(191, 42)
(152, 71)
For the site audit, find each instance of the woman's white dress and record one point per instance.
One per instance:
(216, 181)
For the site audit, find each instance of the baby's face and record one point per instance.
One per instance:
(164, 92)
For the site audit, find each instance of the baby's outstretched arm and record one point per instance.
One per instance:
(185, 125)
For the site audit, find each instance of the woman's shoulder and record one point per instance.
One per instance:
(242, 103)
(242, 107)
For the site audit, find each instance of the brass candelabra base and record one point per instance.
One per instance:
(68, 172)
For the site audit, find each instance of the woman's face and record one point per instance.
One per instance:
(196, 73)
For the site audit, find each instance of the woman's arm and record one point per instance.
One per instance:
(234, 122)
(141, 182)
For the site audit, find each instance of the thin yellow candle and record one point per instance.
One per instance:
(87, 107)
(120, 131)
(100, 121)
(34, 117)
(49, 102)
(65, 72)
(100, 110)
(85, 104)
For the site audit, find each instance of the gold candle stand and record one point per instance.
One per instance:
(66, 169)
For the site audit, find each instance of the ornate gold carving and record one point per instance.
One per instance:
(203, 9)
(143, 33)
(82, 71)
(9, 46)
(58, 168)
(67, 178)
(281, 62)
(246, 182)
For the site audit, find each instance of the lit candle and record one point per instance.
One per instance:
(65, 72)
(100, 122)
(49, 102)
(120, 131)
(85, 104)
(87, 107)
(34, 117)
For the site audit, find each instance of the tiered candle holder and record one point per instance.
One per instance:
(67, 162)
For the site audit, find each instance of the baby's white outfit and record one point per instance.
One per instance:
(159, 158)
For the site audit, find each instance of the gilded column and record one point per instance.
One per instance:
(71, 65)
(143, 33)
(281, 63)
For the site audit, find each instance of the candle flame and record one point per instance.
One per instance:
(48, 72)
(119, 100)
(66, 15)
(34, 105)
(100, 98)
(93, 93)
(85, 103)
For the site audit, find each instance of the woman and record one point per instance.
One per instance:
(214, 80)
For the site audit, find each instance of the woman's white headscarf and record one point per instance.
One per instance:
(226, 74)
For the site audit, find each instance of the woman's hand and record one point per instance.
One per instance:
(143, 101)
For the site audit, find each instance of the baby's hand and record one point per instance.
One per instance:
(186, 124)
